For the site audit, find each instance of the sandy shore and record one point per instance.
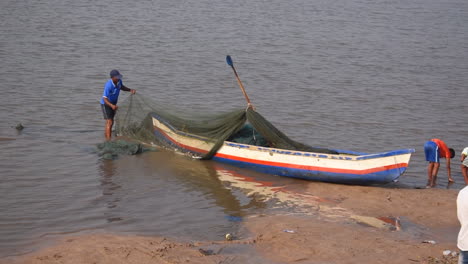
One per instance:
(347, 224)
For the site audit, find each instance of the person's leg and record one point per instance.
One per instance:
(464, 170)
(108, 131)
(109, 117)
(430, 151)
(463, 257)
(430, 168)
(435, 170)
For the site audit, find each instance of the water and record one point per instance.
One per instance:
(362, 75)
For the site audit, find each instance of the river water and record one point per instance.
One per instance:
(363, 75)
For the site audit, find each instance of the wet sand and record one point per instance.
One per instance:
(352, 224)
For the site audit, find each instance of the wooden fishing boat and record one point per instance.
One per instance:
(217, 138)
(346, 167)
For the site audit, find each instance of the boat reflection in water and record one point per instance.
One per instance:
(167, 193)
(299, 202)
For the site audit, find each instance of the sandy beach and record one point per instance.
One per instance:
(347, 224)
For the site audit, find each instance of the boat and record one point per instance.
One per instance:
(346, 167)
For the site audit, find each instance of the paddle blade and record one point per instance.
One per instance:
(229, 61)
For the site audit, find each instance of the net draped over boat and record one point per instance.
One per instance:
(134, 120)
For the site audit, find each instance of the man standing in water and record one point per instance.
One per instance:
(109, 100)
(435, 149)
(462, 213)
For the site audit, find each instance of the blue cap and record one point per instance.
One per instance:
(115, 73)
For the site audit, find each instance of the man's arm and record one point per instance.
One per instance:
(113, 106)
(125, 88)
(448, 170)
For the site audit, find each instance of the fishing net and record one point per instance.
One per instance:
(134, 119)
(112, 149)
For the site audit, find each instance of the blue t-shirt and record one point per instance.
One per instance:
(111, 91)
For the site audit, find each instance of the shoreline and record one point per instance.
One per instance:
(339, 224)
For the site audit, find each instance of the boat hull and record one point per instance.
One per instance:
(360, 169)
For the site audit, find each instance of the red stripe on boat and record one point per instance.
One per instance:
(197, 150)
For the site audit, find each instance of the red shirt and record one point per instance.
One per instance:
(444, 151)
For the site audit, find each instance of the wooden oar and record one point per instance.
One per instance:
(231, 63)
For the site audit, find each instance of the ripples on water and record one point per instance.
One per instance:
(361, 75)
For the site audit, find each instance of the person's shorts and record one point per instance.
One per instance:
(108, 112)
(431, 150)
(465, 162)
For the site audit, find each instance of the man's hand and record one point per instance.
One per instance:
(133, 91)
(114, 107)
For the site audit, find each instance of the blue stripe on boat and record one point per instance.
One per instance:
(380, 177)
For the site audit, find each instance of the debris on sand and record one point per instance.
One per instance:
(206, 252)
(449, 259)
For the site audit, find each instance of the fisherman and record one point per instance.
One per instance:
(464, 165)
(109, 100)
(435, 149)
(462, 213)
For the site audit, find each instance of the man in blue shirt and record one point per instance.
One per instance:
(109, 99)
